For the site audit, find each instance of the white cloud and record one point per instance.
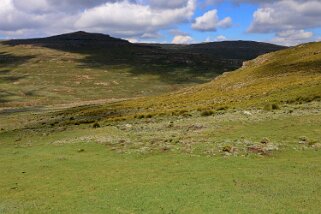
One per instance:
(168, 3)
(209, 21)
(292, 37)
(220, 38)
(287, 19)
(182, 39)
(225, 23)
(286, 15)
(125, 18)
(121, 18)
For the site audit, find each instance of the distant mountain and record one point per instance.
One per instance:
(223, 56)
(73, 41)
(234, 49)
(88, 66)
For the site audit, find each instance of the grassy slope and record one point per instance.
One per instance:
(77, 67)
(32, 76)
(283, 77)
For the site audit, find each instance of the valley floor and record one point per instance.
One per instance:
(234, 161)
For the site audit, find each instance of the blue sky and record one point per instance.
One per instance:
(287, 22)
(241, 19)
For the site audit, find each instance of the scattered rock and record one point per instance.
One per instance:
(247, 113)
(229, 149)
(122, 141)
(165, 148)
(256, 150)
(195, 127)
(303, 140)
(316, 146)
(128, 126)
(171, 124)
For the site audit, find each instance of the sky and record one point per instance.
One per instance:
(285, 22)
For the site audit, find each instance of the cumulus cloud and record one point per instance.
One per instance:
(168, 3)
(209, 21)
(123, 18)
(182, 39)
(286, 15)
(292, 37)
(219, 38)
(237, 2)
(287, 19)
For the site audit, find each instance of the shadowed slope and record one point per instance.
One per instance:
(83, 66)
(287, 76)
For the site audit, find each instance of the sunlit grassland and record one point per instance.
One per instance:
(247, 142)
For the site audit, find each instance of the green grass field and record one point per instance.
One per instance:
(153, 166)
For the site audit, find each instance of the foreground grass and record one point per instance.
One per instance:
(166, 165)
(59, 179)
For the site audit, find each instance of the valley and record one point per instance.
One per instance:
(116, 127)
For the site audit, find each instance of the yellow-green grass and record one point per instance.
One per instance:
(37, 76)
(283, 77)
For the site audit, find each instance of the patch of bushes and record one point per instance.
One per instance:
(96, 125)
(223, 108)
(148, 116)
(141, 116)
(227, 148)
(271, 107)
(207, 113)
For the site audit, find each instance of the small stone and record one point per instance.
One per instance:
(316, 146)
(247, 113)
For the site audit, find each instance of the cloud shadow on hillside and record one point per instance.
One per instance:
(171, 66)
(7, 62)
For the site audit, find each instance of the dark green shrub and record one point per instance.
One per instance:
(271, 107)
(149, 116)
(275, 106)
(223, 108)
(207, 113)
(227, 148)
(141, 116)
(96, 125)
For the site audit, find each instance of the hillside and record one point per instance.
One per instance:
(80, 66)
(248, 140)
(284, 77)
(232, 50)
